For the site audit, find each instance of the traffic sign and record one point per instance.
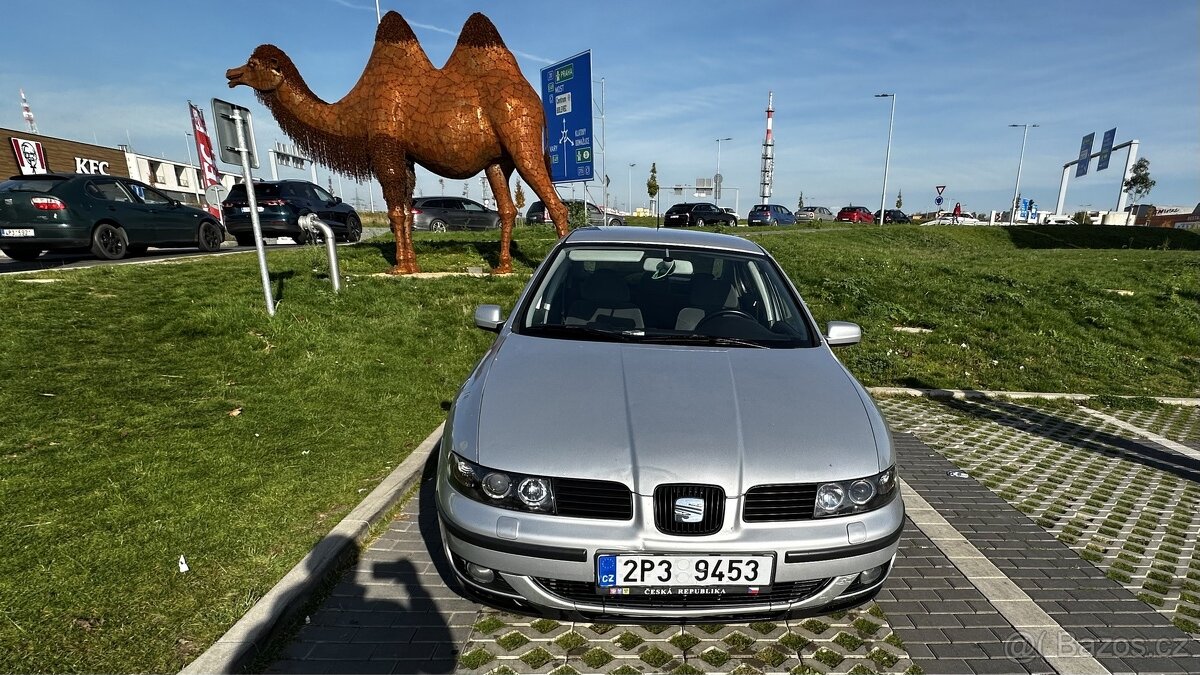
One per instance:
(938, 200)
(939, 189)
(1085, 155)
(567, 104)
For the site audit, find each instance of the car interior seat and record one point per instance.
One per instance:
(604, 300)
(708, 295)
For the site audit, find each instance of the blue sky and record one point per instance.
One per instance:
(680, 75)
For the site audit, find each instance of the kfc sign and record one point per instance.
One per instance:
(83, 165)
(31, 158)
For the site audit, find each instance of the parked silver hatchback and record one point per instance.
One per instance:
(659, 430)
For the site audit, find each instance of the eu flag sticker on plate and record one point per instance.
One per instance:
(606, 571)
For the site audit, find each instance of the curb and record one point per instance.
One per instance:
(234, 650)
(982, 394)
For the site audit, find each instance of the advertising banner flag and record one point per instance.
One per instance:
(208, 166)
(1085, 155)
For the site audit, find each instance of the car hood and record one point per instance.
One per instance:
(645, 415)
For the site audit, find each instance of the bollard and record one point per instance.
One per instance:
(312, 222)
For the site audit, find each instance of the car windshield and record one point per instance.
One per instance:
(657, 295)
(30, 184)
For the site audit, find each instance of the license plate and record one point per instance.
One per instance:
(19, 232)
(679, 574)
(246, 209)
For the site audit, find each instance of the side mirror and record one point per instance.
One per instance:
(842, 333)
(337, 200)
(175, 203)
(488, 318)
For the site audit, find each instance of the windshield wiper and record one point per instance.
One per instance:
(575, 331)
(692, 339)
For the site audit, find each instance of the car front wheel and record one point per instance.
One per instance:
(209, 237)
(699, 222)
(353, 229)
(109, 242)
(22, 253)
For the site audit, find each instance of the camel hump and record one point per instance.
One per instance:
(479, 31)
(393, 28)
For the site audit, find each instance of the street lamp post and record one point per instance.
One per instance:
(629, 204)
(886, 157)
(1012, 213)
(717, 175)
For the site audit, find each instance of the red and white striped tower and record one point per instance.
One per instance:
(27, 113)
(768, 155)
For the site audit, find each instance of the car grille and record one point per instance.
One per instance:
(712, 497)
(781, 593)
(606, 500)
(775, 503)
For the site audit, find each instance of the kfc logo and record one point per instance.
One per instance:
(31, 159)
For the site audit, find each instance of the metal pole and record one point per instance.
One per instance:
(253, 204)
(1012, 215)
(887, 157)
(196, 175)
(1062, 191)
(274, 167)
(629, 204)
(1129, 162)
(718, 173)
(313, 222)
(604, 152)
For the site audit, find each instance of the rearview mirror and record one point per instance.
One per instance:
(488, 318)
(842, 333)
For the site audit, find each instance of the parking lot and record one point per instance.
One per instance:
(1042, 536)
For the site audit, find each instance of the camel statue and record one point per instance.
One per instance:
(476, 113)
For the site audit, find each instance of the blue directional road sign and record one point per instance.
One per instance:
(938, 200)
(567, 101)
(1085, 155)
(1106, 149)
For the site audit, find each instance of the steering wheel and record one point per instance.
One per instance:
(725, 312)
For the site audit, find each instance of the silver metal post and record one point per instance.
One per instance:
(887, 157)
(1130, 159)
(1012, 214)
(1062, 191)
(313, 222)
(629, 204)
(274, 167)
(253, 204)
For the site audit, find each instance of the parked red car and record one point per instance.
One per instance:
(855, 214)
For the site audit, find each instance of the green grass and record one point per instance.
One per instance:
(119, 452)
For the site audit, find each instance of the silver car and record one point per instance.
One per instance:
(659, 430)
(814, 213)
(439, 214)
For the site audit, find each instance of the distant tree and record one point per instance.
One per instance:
(652, 182)
(519, 201)
(466, 189)
(577, 215)
(1139, 184)
(442, 182)
(519, 197)
(899, 199)
(800, 202)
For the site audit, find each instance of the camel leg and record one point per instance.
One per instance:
(498, 178)
(397, 192)
(533, 165)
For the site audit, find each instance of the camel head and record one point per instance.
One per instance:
(266, 70)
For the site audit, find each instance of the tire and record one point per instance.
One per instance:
(244, 239)
(209, 236)
(437, 226)
(615, 222)
(699, 222)
(353, 229)
(109, 242)
(22, 253)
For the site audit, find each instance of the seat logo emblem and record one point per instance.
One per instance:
(689, 510)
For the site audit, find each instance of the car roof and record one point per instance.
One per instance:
(661, 237)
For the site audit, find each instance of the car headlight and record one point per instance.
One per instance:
(840, 498)
(507, 490)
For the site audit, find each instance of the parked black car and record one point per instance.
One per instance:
(537, 214)
(280, 205)
(697, 213)
(438, 214)
(110, 215)
(893, 216)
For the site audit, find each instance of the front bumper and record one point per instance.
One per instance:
(550, 561)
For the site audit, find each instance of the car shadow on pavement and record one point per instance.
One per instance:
(1047, 425)
(387, 609)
